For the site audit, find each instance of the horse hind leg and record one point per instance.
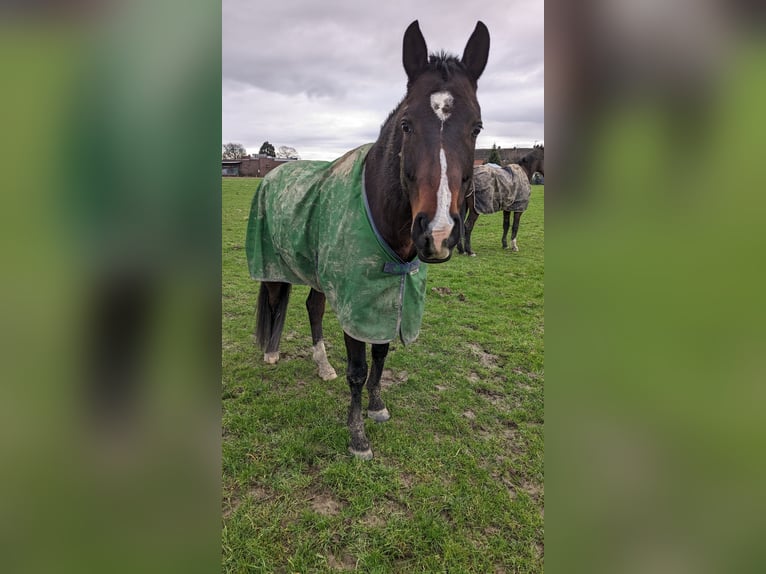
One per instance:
(506, 226)
(515, 230)
(377, 409)
(315, 304)
(270, 318)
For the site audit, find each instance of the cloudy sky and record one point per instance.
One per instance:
(323, 76)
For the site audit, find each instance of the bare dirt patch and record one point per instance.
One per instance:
(258, 493)
(373, 521)
(407, 480)
(389, 378)
(487, 360)
(230, 505)
(493, 396)
(346, 562)
(326, 505)
(533, 489)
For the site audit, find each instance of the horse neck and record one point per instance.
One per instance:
(528, 171)
(389, 205)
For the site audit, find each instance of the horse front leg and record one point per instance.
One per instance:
(515, 230)
(356, 374)
(315, 304)
(473, 215)
(376, 409)
(506, 226)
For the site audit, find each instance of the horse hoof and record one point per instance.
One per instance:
(361, 454)
(515, 248)
(271, 358)
(380, 416)
(472, 254)
(505, 247)
(328, 374)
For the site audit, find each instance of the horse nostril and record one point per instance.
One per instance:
(420, 225)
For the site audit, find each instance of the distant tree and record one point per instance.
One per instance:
(494, 155)
(233, 151)
(287, 152)
(267, 149)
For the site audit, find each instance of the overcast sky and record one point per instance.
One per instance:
(323, 76)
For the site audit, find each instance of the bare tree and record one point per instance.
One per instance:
(233, 151)
(287, 152)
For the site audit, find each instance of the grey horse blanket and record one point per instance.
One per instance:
(500, 188)
(310, 225)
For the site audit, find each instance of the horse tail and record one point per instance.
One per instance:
(270, 318)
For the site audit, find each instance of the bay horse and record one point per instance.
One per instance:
(532, 162)
(360, 231)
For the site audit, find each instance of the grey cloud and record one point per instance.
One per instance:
(324, 75)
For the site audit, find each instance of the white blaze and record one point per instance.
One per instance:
(441, 104)
(443, 198)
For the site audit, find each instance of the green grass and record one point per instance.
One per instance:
(456, 484)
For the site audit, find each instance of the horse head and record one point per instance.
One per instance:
(439, 120)
(533, 161)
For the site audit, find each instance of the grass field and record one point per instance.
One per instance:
(456, 484)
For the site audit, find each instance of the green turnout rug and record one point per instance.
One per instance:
(310, 225)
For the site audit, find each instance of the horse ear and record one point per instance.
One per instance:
(414, 52)
(476, 51)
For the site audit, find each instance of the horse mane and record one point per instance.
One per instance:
(445, 64)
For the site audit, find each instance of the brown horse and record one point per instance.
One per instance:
(412, 182)
(532, 162)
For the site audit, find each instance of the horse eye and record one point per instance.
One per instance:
(406, 127)
(476, 131)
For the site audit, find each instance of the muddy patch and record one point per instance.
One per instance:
(230, 505)
(528, 374)
(373, 521)
(389, 378)
(258, 493)
(493, 396)
(406, 480)
(326, 505)
(296, 354)
(345, 562)
(533, 489)
(487, 360)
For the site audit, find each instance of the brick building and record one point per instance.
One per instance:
(256, 165)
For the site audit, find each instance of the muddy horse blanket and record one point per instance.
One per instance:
(310, 225)
(500, 188)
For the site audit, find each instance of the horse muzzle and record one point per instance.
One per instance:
(434, 245)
